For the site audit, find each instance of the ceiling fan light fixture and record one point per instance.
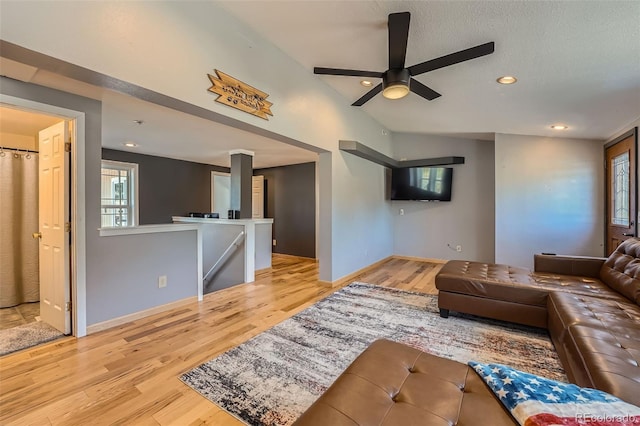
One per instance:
(396, 91)
(395, 83)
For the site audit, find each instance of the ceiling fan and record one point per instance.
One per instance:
(397, 81)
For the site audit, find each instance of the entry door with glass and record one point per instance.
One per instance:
(621, 191)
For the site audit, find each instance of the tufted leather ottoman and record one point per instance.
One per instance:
(394, 384)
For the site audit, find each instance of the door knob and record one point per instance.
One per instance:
(37, 235)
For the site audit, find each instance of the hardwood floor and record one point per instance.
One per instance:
(129, 374)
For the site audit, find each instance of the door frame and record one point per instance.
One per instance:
(633, 132)
(77, 208)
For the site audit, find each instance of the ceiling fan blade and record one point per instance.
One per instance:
(451, 59)
(352, 73)
(370, 94)
(398, 37)
(420, 89)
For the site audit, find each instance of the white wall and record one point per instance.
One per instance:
(425, 229)
(169, 47)
(549, 197)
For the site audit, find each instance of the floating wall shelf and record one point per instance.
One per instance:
(363, 151)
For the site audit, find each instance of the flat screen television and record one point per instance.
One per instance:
(421, 183)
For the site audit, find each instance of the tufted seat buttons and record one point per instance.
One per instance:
(431, 397)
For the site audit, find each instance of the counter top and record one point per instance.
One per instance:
(184, 219)
(146, 229)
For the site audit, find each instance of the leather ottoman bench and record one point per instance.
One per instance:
(394, 384)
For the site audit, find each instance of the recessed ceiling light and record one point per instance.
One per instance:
(559, 127)
(507, 79)
(366, 83)
(130, 144)
(138, 122)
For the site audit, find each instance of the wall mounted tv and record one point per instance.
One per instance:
(421, 183)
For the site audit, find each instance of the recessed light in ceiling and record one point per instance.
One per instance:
(559, 127)
(138, 122)
(130, 144)
(366, 83)
(507, 79)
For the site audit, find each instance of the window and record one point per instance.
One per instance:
(620, 190)
(119, 194)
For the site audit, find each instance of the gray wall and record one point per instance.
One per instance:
(124, 287)
(120, 273)
(215, 240)
(549, 197)
(426, 228)
(168, 187)
(291, 202)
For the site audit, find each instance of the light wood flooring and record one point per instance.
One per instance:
(129, 374)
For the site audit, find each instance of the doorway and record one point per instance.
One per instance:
(220, 193)
(621, 190)
(35, 253)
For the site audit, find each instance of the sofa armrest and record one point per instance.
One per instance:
(583, 266)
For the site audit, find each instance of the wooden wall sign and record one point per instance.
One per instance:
(240, 95)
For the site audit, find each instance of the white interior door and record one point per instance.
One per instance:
(257, 197)
(221, 196)
(55, 287)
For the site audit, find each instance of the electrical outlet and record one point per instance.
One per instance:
(274, 242)
(458, 248)
(162, 281)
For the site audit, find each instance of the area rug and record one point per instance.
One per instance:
(274, 377)
(26, 336)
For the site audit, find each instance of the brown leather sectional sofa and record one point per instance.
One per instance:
(591, 307)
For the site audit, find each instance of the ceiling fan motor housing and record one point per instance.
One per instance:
(394, 77)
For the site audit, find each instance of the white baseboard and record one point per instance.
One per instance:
(104, 325)
(420, 259)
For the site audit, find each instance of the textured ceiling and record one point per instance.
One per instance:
(577, 62)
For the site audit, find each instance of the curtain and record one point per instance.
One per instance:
(19, 266)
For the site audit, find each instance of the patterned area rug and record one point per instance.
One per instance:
(25, 336)
(274, 377)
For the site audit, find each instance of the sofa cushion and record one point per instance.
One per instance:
(610, 360)
(566, 309)
(621, 271)
(598, 341)
(394, 384)
(513, 284)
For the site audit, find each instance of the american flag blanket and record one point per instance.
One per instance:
(537, 401)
